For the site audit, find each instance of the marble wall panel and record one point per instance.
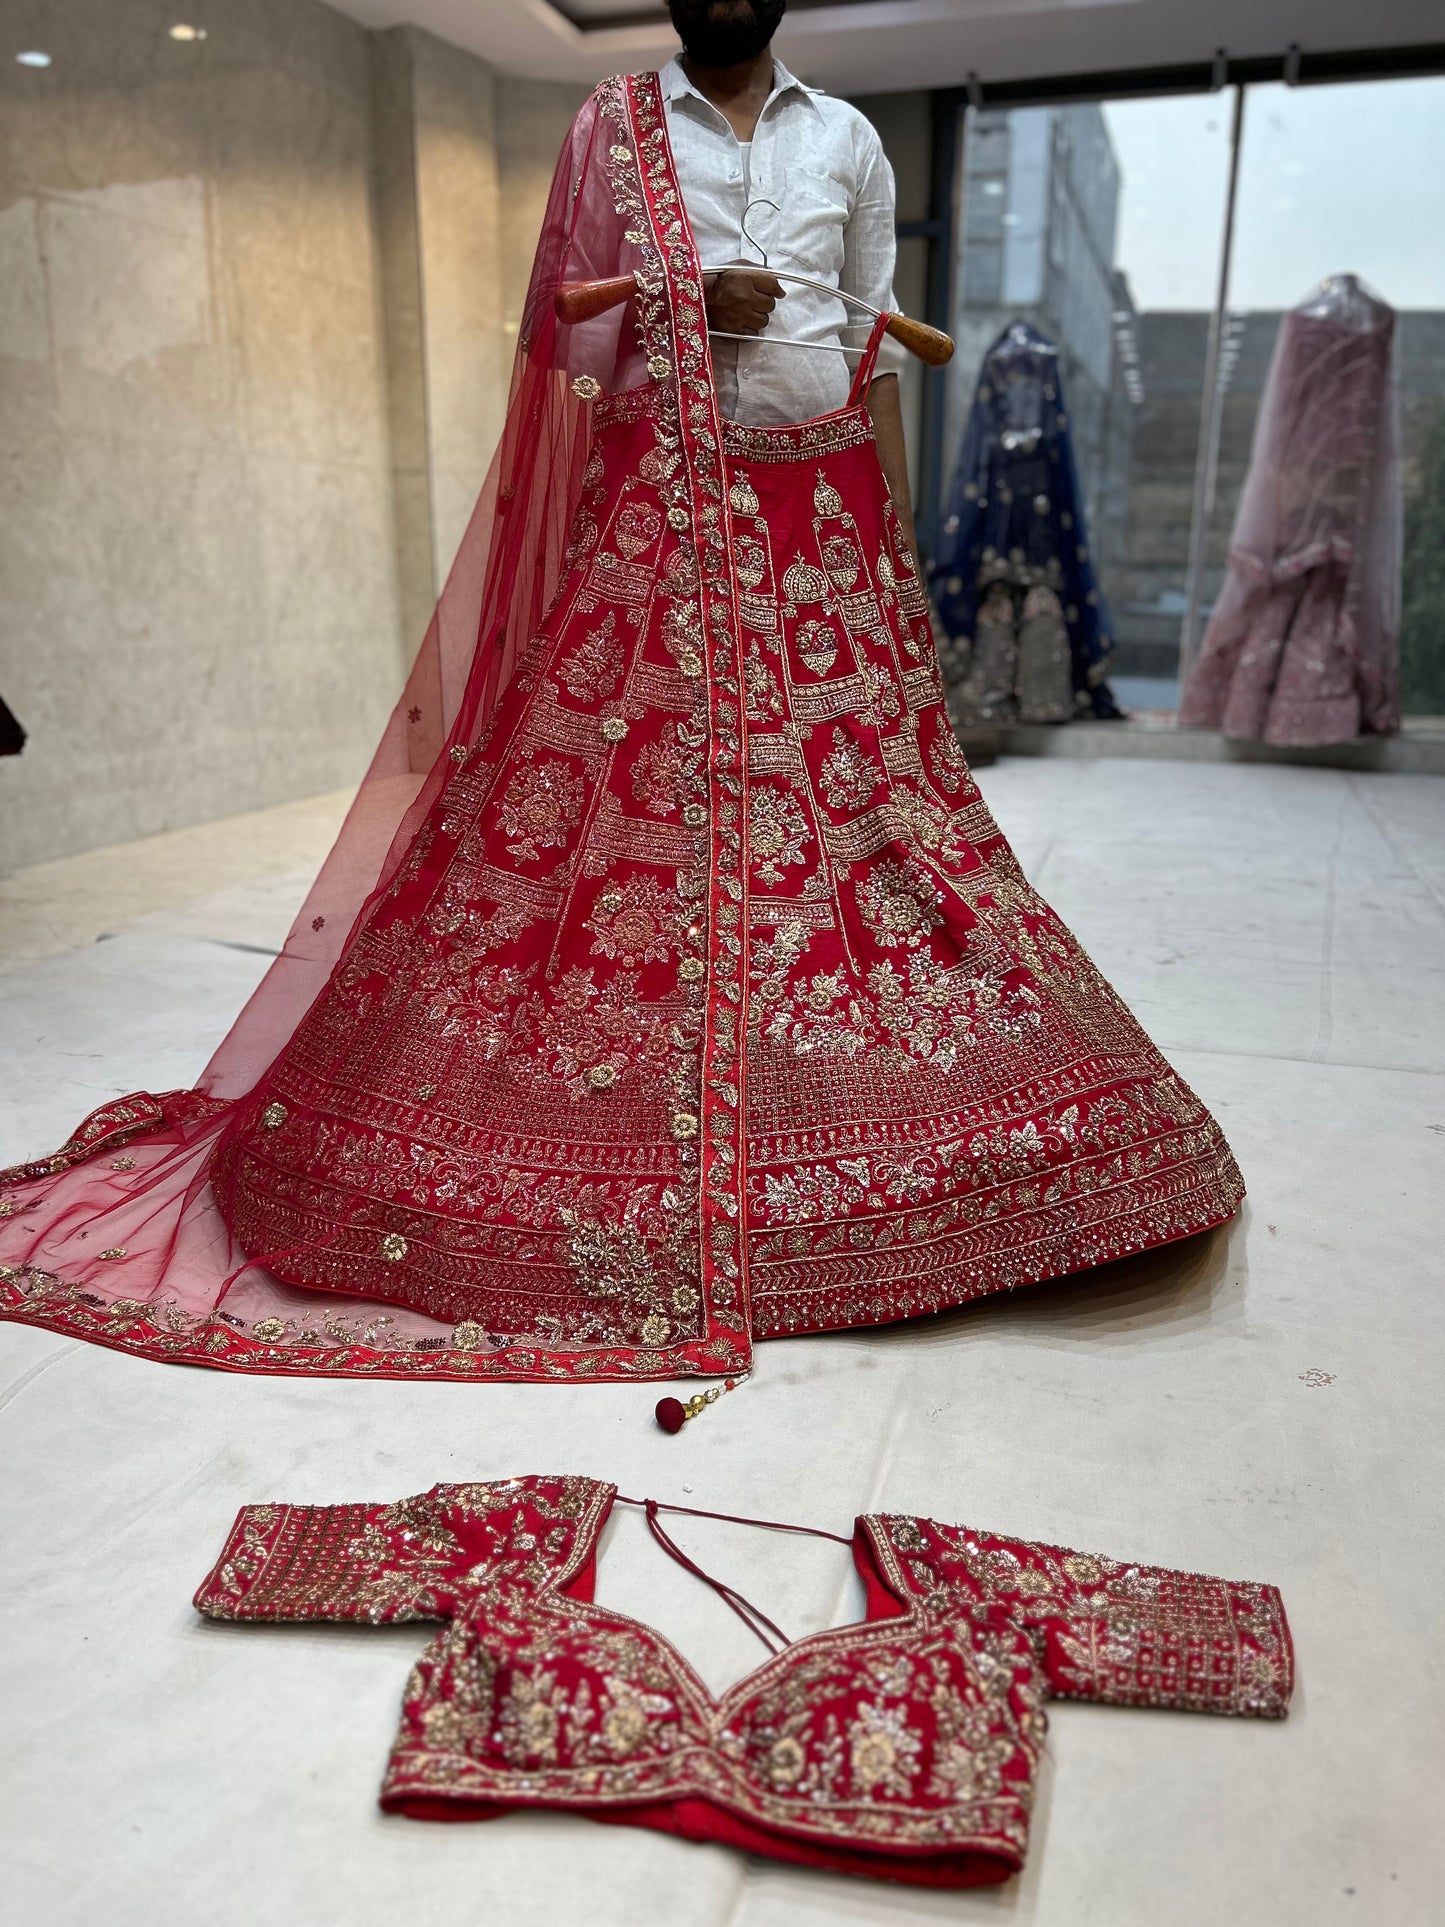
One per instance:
(458, 224)
(464, 161)
(259, 298)
(393, 108)
(200, 605)
(24, 324)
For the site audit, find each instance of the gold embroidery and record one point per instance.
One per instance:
(825, 702)
(540, 807)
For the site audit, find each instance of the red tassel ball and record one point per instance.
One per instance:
(671, 1414)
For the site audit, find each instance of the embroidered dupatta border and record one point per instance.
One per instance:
(722, 1092)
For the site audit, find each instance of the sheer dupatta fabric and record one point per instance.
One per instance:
(117, 1237)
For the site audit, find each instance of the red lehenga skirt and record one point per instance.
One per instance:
(706, 1001)
(492, 1115)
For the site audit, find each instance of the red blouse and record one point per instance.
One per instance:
(904, 1747)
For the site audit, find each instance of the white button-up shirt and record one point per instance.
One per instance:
(817, 192)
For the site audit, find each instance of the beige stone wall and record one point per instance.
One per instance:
(252, 366)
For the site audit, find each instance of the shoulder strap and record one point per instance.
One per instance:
(863, 373)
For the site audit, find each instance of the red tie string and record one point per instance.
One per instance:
(752, 1616)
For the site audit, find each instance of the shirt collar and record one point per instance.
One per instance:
(675, 83)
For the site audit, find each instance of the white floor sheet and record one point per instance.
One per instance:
(1264, 1404)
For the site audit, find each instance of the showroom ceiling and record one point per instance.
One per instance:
(876, 45)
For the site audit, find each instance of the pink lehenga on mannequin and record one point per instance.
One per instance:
(670, 984)
(1303, 644)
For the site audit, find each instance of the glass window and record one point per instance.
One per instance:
(1101, 225)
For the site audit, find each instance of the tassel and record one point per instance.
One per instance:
(671, 1413)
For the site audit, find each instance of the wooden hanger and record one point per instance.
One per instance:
(578, 301)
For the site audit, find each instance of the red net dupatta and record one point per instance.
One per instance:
(149, 1231)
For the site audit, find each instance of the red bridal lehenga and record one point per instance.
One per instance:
(670, 985)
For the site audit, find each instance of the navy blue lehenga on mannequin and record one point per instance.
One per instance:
(1025, 629)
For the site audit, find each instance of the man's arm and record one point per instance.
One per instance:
(887, 417)
(869, 252)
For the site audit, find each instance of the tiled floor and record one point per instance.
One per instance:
(1266, 1404)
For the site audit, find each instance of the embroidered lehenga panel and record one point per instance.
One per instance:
(905, 1747)
(703, 1000)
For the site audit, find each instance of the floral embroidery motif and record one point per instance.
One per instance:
(946, 763)
(848, 777)
(764, 697)
(665, 772)
(583, 539)
(899, 903)
(750, 559)
(593, 671)
(580, 1027)
(636, 528)
(882, 1753)
(777, 831)
(842, 562)
(818, 645)
(542, 804)
(635, 922)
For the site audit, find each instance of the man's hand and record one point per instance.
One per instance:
(739, 300)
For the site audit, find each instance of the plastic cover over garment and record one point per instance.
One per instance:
(1303, 644)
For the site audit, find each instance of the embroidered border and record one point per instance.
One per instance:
(798, 441)
(825, 702)
(572, 731)
(780, 911)
(721, 1137)
(641, 839)
(664, 688)
(775, 755)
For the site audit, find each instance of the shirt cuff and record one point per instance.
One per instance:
(892, 357)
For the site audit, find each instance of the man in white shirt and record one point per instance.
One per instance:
(775, 172)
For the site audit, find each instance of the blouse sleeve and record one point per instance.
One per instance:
(376, 1563)
(1136, 1635)
(1109, 1630)
(416, 1559)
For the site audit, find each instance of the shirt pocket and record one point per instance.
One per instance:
(815, 215)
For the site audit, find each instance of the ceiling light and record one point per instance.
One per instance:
(181, 31)
(33, 58)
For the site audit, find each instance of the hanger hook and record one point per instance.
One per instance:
(758, 200)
